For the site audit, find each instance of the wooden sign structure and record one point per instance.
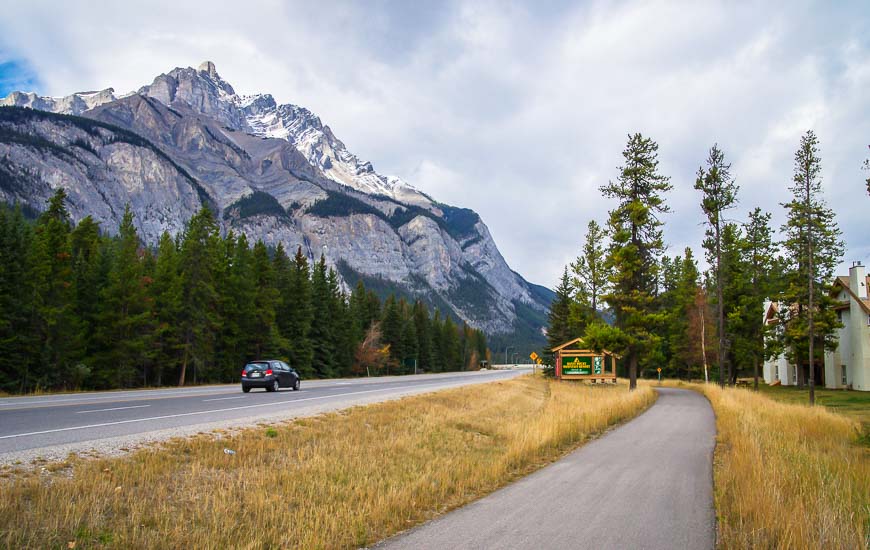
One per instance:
(575, 363)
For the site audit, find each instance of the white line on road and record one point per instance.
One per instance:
(114, 409)
(223, 398)
(202, 412)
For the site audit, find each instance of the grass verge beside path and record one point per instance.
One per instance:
(339, 480)
(788, 476)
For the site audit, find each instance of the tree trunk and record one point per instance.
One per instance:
(755, 366)
(632, 372)
(704, 343)
(720, 307)
(184, 364)
(812, 355)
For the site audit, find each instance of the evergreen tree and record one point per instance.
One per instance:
(198, 317)
(17, 344)
(589, 278)
(54, 322)
(558, 320)
(683, 338)
(719, 194)
(122, 327)
(813, 248)
(391, 331)
(265, 338)
(733, 287)
(342, 326)
(298, 309)
(756, 280)
(165, 294)
(450, 345)
(636, 244)
(437, 339)
(423, 329)
(410, 342)
(322, 332)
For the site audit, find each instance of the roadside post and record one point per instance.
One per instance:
(660, 375)
(534, 357)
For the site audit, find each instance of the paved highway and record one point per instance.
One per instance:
(54, 425)
(648, 484)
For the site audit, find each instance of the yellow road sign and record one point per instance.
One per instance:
(534, 356)
(659, 369)
(539, 360)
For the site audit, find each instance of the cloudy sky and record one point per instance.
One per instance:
(519, 110)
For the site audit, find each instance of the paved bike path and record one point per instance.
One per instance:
(647, 484)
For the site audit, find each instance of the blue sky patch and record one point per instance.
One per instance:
(16, 75)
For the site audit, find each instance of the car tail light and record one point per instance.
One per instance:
(269, 372)
(243, 372)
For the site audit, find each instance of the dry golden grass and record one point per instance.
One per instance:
(337, 481)
(787, 476)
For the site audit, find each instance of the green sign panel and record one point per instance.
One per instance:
(582, 365)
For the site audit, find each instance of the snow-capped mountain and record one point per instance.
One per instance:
(274, 172)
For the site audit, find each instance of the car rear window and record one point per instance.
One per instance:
(254, 366)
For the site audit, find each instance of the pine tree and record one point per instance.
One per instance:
(437, 337)
(719, 194)
(813, 248)
(265, 338)
(391, 331)
(55, 324)
(683, 331)
(756, 280)
(558, 320)
(342, 326)
(125, 312)
(636, 244)
(17, 344)
(165, 294)
(198, 319)
(589, 277)
(298, 310)
(422, 326)
(733, 287)
(450, 345)
(321, 333)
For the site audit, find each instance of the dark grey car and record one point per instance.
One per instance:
(269, 374)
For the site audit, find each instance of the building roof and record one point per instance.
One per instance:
(576, 340)
(843, 281)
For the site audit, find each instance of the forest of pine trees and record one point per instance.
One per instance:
(669, 315)
(83, 310)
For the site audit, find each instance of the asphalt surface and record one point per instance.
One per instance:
(646, 485)
(53, 425)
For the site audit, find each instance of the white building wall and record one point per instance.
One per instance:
(853, 350)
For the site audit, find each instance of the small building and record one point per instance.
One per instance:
(849, 365)
(573, 362)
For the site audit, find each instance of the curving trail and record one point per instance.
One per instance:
(647, 484)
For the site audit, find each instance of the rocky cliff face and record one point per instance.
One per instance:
(274, 172)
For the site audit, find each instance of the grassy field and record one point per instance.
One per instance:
(855, 404)
(789, 475)
(341, 480)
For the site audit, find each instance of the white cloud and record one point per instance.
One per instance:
(516, 110)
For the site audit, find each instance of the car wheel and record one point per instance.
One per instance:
(296, 385)
(246, 389)
(274, 387)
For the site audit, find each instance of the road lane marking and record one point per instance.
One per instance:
(224, 398)
(114, 409)
(102, 424)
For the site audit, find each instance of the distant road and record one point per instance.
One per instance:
(647, 484)
(53, 425)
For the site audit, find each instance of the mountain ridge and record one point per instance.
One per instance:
(241, 150)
